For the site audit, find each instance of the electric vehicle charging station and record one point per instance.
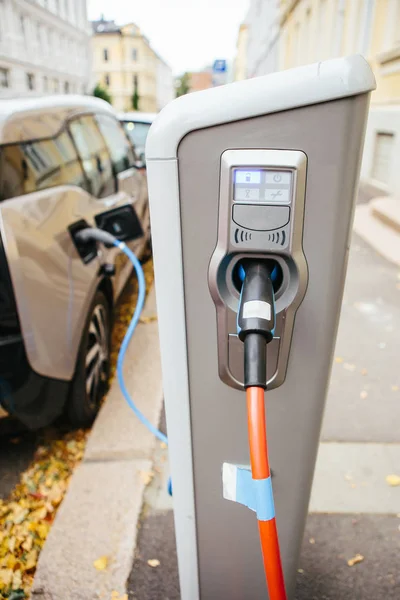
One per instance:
(264, 169)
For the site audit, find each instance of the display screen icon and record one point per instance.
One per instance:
(262, 185)
(253, 177)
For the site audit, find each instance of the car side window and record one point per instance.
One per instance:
(32, 166)
(94, 155)
(122, 154)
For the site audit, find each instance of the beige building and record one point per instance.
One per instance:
(240, 68)
(287, 33)
(124, 61)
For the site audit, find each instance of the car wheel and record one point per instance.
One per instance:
(90, 381)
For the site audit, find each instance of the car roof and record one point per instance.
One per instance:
(24, 119)
(137, 117)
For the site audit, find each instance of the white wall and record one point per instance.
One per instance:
(385, 119)
(50, 43)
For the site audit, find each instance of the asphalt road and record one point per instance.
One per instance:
(363, 410)
(17, 447)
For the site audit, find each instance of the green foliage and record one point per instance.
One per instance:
(183, 85)
(135, 99)
(101, 92)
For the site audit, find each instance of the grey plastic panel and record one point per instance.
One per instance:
(260, 218)
(271, 226)
(331, 136)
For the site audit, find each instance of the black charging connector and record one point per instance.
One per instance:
(256, 320)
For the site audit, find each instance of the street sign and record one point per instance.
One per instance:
(219, 66)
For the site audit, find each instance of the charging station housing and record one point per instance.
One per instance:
(307, 125)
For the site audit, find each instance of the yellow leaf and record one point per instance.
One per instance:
(338, 359)
(16, 580)
(393, 480)
(11, 544)
(146, 320)
(101, 563)
(43, 529)
(11, 561)
(146, 476)
(6, 576)
(31, 560)
(153, 562)
(355, 560)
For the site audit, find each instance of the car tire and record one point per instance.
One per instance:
(90, 381)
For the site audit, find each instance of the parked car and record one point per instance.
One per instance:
(137, 125)
(63, 159)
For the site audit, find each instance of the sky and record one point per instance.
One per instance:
(188, 34)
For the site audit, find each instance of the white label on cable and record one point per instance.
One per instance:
(257, 309)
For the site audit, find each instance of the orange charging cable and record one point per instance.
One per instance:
(260, 471)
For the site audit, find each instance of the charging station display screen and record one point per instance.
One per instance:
(262, 185)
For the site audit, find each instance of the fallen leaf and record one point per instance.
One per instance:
(153, 562)
(348, 477)
(355, 560)
(395, 388)
(146, 476)
(101, 563)
(364, 371)
(6, 576)
(363, 395)
(16, 440)
(338, 359)
(398, 286)
(300, 570)
(393, 480)
(146, 320)
(312, 541)
(349, 367)
(16, 580)
(382, 345)
(115, 596)
(163, 445)
(31, 560)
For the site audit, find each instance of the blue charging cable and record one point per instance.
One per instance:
(128, 336)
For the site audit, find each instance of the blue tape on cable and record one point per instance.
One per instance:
(264, 499)
(256, 494)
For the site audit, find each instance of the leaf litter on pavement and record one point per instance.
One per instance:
(28, 513)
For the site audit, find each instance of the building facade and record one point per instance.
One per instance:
(125, 63)
(288, 33)
(44, 47)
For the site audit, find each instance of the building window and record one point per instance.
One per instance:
(134, 54)
(382, 159)
(107, 80)
(105, 54)
(45, 84)
(30, 81)
(56, 86)
(22, 25)
(66, 87)
(135, 83)
(4, 78)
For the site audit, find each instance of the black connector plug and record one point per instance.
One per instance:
(256, 321)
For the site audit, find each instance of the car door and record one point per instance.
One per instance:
(130, 179)
(111, 179)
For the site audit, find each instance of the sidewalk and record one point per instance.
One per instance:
(360, 448)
